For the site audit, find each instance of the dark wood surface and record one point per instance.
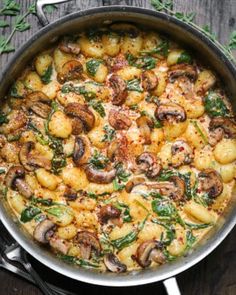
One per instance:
(215, 275)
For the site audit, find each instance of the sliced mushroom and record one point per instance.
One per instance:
(87, 242)
(14, 179)
(211, 182)
(59, 245)
(30, 160)
(108, 212)
(170, 112)
(148, 251)
(44, 231)
(39, 103)
(99, 176)
(149, 80)
(134, 182)
(145, 124)
(187, 87)
(181, 152)
(70, 194)
(81, 112)
(148, 163)
(118, 86)
(174, 188)
(113, 263)
(82, 152)
(71, 70)
(182, 70)
(220, 127)
(67, 45)
(118, 120)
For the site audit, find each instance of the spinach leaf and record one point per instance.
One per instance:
(46, 77)
(166, 175)
(191, 239)
(12, 137)
(121, 176)
(166, 211)
(29, 213)
(58, 162)
(3, 118)
(2, 170)
(59, 210)
(74, 260)
(98, 160)
(125, 211)
(109, 133)
(214, 105)
(144, 62)
(203, 199)
(128, 239)
(170, 232)
(198, 226)
(161, 49)
(185, 57)
(134, 85)
(88, 95)
(98, 107)
(92, 66)
(14, 91)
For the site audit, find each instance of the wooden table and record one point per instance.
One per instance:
(215, 275)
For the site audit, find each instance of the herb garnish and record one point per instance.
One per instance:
(144, 62)
(29, 213)
(188, 18)
(134, 85)
(3, 118)
(214, 105)
(92, 66)
(46, 78)
(98, 160)
(128, 239)
(12, 8)
(121, 177)
(109, 133)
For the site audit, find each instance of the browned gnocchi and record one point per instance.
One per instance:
(118, 149)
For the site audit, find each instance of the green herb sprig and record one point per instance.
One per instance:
(13, 9)
(167, 6)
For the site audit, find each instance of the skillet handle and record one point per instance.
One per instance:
(171, 286)
(39, 9)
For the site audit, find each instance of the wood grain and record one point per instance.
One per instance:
(215, 275)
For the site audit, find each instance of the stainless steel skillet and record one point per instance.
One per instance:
(176, 29)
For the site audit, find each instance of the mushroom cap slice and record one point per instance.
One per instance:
(211, 182)
(44, 231)
(170, 112)
(14, 179)
(59, 244)
(145, 124)
(32, 161)
(118, 120)
(181, 152)
(67, 45)
(148, 163)
(99, 176)
(14, 173)
(149, 80)
(87, 241)
(81, 112)
(108, 212)
(39, 103)
(118, 86)
(182, 70)
(113, 263)
(71, 70)
(144, 251)
(81, 153)
(228, 126)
